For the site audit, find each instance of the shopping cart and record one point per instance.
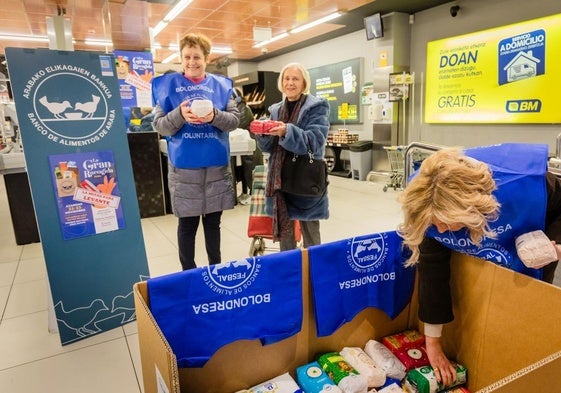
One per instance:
(260, 226)
(397, 167)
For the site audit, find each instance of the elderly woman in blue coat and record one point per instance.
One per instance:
(303, 125)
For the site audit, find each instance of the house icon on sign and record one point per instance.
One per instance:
(522, 66)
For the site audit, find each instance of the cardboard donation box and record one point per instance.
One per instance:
(505, 333)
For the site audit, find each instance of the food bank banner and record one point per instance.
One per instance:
(200, 310)
(508, 74)
(72, 129)
(353, 274)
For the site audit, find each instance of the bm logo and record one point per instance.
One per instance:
(523, 106)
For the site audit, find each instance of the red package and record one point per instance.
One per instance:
(412, 357)
(408, 347)
(404, 340)
(263, 126)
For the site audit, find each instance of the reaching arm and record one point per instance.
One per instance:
(435, 304)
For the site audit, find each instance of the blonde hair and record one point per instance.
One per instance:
(192, 40)
(302, 70)
(454, 189)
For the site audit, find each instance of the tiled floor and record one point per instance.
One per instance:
(32, 360)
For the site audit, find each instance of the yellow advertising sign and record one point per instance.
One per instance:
(509, 74)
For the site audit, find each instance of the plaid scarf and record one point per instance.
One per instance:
(281, 220)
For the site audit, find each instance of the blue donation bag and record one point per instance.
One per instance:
(203, 309)
(350, 275)
(519, 173)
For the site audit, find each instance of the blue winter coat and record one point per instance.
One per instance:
(311, 127)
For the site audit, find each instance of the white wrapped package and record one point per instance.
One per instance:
(201, 108)
(393, 388)
(535, 249)
(364, 364)
(385, 359)
(353, 383)
(282, 384)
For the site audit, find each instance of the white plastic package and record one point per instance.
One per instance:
(385, 359)
(201, 108)
(393, 388)
(364, 364)
(535, 249)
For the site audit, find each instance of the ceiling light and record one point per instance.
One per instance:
(223, 50)
(159, 27)
(34, 38)
(299, 29)
(316, 22)
(173, 47)
(169, 58)
(98, 42)
(275, 38)
(176, 10)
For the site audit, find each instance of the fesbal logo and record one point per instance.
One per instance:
(495, 253)
(367, 253)
(232, 278)
(69, 105)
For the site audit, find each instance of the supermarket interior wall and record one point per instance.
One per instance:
(433, 24)
(474, 15)
(346, 47)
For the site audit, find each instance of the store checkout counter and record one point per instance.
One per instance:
(12, 167)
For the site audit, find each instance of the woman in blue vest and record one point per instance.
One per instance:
(304, 125)
(199, 179)
(475, 202)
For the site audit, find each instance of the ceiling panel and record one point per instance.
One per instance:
(228, 23)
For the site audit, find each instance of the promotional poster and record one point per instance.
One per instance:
(88, 194)
(508, 74)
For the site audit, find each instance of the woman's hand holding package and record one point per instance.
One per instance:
(444, 371)
(280, 130)
(191, 117)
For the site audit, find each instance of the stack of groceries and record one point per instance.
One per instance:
(396, 364)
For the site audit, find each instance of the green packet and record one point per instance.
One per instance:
(423, 380)
(335, 366)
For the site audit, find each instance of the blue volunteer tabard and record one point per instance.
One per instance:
(195, 145)
(350, 275)
(200, 310)
(519, 172)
